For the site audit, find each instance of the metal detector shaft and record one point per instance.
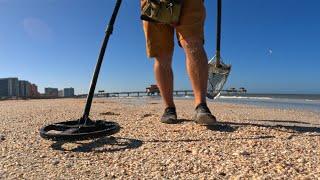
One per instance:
(100, 59)
(219, 7)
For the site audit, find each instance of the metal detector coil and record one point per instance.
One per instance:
(85, 128)
(73, 131)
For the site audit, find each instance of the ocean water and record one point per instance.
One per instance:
(309, 102)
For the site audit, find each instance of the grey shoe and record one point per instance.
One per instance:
(169, 116)
(203, 115)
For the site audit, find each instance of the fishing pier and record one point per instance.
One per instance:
(157, 93)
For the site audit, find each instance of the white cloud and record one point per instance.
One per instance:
(37, 29)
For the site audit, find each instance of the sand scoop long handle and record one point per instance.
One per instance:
(100, 59)
(218, 40)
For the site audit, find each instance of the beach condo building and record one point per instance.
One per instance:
(24, 89)
(51, 92)
(34, 93)
(60, 93)
(68, 92)
(9, 87)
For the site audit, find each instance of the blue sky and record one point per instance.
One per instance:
(55, 43)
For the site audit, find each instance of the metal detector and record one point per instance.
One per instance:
(218, 70)
(85, 128)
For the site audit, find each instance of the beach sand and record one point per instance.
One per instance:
(252, 142)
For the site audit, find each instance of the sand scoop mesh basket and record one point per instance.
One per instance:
(218, 76)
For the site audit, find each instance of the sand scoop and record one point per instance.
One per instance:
(85, 128)
(218, 70)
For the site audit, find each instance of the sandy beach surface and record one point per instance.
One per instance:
(250, 142)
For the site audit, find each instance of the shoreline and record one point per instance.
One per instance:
(310, 102)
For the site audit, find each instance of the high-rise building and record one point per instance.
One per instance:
(9, 87)
(61, 93)
(51, 92)
(24, 89)
(34, 91)
(68, 92)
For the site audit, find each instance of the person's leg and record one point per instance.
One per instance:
(164, 77)
(197, 67)
(190, 34)
(160, 45)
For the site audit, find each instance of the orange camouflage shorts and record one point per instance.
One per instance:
(160, 37)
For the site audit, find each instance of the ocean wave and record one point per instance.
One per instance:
(242, 97)
(309, 100)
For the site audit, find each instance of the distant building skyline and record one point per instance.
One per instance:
(12, 87)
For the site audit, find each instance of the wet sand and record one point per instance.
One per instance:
(250, 142)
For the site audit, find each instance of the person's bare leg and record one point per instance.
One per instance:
(164, 76)
(197, 67)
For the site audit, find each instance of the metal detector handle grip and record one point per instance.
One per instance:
(219, 9)
(109, 31)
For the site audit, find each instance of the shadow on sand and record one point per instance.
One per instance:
(106, 144)
(180, 121)
(231, 126)
(297, 126)
(283, 121)
(114, 144)
(209, 139)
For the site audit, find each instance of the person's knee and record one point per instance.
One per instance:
(191, 43)
(194, 49)
(163, 60)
